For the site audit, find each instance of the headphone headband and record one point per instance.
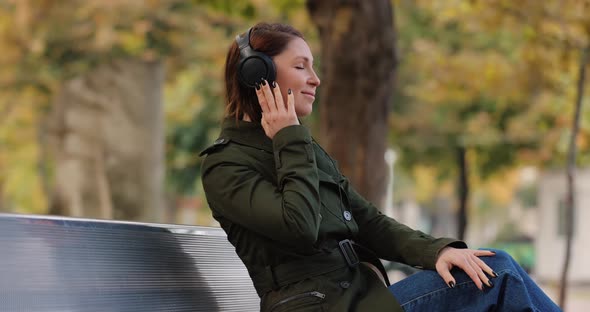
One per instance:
(243, 41)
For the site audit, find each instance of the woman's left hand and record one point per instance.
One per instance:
(468, 261)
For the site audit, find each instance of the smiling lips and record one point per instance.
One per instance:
(310, 93)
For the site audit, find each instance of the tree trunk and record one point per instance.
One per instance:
(357, 71)
(463, 191)
(108, 143)
(571, 171)
(44, 161)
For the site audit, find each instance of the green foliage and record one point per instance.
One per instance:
(495, 77)
(191, 134)
(188, 141)
(48, 42)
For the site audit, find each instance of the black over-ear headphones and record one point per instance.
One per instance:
(253, 65)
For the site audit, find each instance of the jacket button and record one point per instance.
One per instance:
(347, 215)
(344, 284)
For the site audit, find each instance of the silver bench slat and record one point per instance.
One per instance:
(52, 264)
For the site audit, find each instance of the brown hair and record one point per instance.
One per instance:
(270, 39)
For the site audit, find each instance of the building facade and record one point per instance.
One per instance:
(550, 242)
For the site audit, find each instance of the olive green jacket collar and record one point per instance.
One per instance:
(245, 133)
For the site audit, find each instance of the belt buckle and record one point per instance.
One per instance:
(348, 252)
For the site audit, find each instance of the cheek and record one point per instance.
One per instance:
(283, 83)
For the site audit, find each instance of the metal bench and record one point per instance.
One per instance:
(67, 264)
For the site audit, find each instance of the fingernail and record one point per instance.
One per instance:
(263, 82)
(257, 85)
(495, 274)
(289, 91)
(274, 84)
(490, 284)
(452, 284)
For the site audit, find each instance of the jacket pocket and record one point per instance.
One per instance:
(310, 301)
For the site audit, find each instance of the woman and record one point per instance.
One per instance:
(299, 226)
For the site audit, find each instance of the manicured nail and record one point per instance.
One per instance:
(495, 274)
(257, 85)
(289, 91)
(274, 84)
(490, 284)
(263, 82)
(452, 284)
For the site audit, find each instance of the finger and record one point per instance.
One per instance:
(262, 99)
(465, 265)
(482, 276)
(269, 96)
(446, 275)
(278, 97)
(484, 253)
(485, 268)
(290, 102)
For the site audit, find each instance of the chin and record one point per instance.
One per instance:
(305, 109)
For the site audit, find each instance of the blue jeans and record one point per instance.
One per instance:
(513, 290)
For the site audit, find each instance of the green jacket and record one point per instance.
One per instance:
(284, 201)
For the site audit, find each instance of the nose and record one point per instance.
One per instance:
(314, 79)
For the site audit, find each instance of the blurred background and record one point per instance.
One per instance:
(456, 117)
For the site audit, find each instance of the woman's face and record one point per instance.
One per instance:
(295, 71)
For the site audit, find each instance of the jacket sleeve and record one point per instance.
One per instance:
(392, 240)
(287, 210)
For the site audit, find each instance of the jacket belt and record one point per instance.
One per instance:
(347, 254)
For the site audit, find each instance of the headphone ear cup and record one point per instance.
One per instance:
(255, 67)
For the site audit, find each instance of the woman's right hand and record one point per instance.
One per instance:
(275, 114)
